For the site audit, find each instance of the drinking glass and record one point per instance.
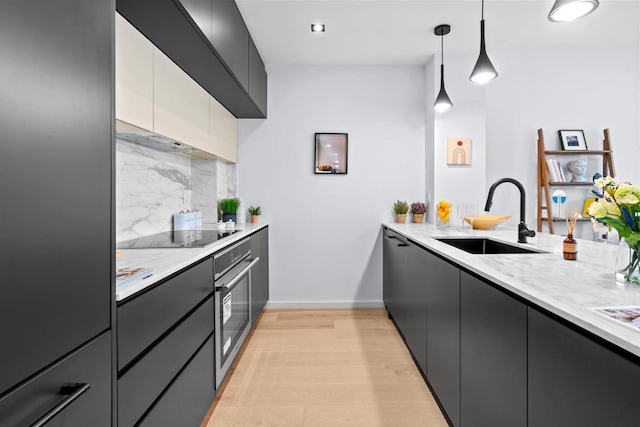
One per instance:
(472, 213)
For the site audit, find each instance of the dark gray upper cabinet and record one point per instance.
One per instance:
(493, 356)
(257, 78)
(200, 11)
(230, 38)
(443, 335)
(56, 172)
(575, 381)
(182, 31)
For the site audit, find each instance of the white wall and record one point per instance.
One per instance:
(563, 88)
(456, 183)
(325, 229)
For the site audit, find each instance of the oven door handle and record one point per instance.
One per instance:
(241, 274)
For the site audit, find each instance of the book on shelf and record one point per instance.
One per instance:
(551, 168)
(127, 276)
(561, 172)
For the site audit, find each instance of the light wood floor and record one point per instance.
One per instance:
(325, 368)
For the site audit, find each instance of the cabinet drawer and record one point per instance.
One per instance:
(89, 365)
(186, 401)
(144, 319)
(143, 383)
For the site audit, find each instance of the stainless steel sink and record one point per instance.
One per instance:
(483, 245)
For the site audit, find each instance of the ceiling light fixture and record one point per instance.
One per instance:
(569, 10)
(443, 102)
(317, 28)
(484, 70)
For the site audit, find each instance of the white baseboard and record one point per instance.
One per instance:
(324, 304)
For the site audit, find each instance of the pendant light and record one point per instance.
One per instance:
(484, 70)
(443, 102)
(568, 10)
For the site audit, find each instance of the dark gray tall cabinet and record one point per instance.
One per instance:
(56, 150)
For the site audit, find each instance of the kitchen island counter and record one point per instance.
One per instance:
(165, 262)
(566, 289)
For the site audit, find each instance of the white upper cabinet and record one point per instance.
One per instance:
(180, 105)
(223, 131)
(134, 76)
(154, 94)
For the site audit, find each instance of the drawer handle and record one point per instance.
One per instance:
(396, 241)
(72, 391)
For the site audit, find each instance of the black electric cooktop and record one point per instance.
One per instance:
(176, 239)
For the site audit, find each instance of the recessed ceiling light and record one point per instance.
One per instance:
(317, 28)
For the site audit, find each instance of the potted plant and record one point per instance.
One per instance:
(255, 212)
(229, 207)
(401, 209)
(418, 210)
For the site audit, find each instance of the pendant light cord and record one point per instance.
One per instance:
(482, 10)
(442, 50)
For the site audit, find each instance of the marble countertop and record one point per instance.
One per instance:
(565, 288)
(167, 261)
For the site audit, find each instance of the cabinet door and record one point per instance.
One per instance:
(134, 76)
(187, 399)
(395, 264)
(574, 381)
(257, 78)
(200, 13)
(90, 365)
(223, 132)
(414, 297)
(443, 335)
(56, 172)
(180, 105)
(493, 356)
(259, 273)
(230, 38)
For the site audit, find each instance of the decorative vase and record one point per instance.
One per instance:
(401, 218)
(229, 216)
(254, 218)
(418, 218)
(441, 224)
(627, 263)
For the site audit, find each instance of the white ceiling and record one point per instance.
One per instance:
(400, 32)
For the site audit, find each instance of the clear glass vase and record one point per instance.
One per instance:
(628, 263)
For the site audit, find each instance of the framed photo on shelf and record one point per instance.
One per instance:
(331, 153)
(573, 140)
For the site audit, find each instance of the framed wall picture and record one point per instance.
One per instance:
(573, 140)
(331, 153)
(458, 151)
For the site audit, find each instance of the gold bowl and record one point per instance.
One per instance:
(486, 222)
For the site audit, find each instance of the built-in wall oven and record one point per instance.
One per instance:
(232, 275)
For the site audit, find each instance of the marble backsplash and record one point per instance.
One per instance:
(151, 186)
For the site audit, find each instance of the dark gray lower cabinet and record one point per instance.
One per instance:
(575, 381)
(414, 304)
(493, 356)
(159, 334)
(394, 267)
(405, 292)
(259, 273)
(90, 365)
(443, 335)
(187, 399)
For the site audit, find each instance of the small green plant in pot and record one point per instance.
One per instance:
(229, 208)
(401, 209)
(255, 212)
